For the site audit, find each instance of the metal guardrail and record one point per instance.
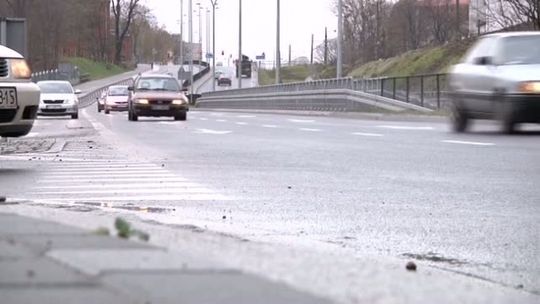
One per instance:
(428, 91)
(89, 98)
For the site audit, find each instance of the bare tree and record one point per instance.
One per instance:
(503, 14)
(331, 51)
(123, 11)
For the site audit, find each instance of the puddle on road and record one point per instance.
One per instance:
(434, 257)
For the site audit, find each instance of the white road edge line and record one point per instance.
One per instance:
(367, 134)
(405, 127)
(472, 143)
(240, 123)
(310, 130)
(269, 126)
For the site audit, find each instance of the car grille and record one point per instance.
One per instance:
(7, 115)
(3, 67)
(53, 110)
(53, 101)
(160, 102)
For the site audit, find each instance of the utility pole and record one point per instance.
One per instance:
(207, 49)
(312, 37)
(191, 48)
(278, 52)
(325, 46)
(289, 55)
(200, 32)
(181, 55)
(458, 28)
(239, 65)
(340, 40)
(214, 3)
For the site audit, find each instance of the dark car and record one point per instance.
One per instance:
(224, 80)
(499, 78)
(157, 96)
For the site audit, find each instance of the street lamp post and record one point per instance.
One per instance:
(214, 3)
(181, 55)
(239, 64)
(278, 52)
(191, 47)
(340, 40)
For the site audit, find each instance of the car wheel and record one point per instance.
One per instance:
(181, 116)
(75, 116)
(107, 112)
(459, 119)
(132, 116)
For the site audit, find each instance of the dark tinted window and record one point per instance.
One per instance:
(55, 87)
(158, 84)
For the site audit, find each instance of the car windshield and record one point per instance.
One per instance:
(55, 88)
(118, 91)
(521, 50)
(158, 84)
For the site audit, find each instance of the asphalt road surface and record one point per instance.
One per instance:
(466, 203)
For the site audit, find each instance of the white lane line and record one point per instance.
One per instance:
(246, 116)
(302, 120)
(269, 126)
(122, 175)
(367, 134)
(148, 185)
(104, 170)
(85, 166)
(33, 134)
(130, 191)
(111, 180)
(240, 123)
(221, 120)
(472, 143)
(216, 114)
(154, 198)
(214, 132)
(405, 128)
(203, 119)
(310, 130)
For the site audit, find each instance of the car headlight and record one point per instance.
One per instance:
(20, 69)
(141, 101)
(529, 87)
(179, 102)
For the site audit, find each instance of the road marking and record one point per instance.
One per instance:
(108, 175)
(246, 116)
(302, 120)
(203, 119)
(214, 132)
(405, 128)
(472, 143)
(103, 165)
(167, 123)
(216, 114)
(153, 198)
(367, 134)
(104, 170)
(310, 130)
(110, 180)
(125, 186)
(269, 126)
(240, 123)
(221, 120)
(131, 191)
(33, 134)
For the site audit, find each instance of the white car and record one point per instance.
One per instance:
(19, 97)
(58, 98)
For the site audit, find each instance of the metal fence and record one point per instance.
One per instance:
(427, 91)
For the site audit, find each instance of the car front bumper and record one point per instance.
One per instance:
(20, 120)
(525, 108)
(57, 110)
(151, 110)
(116, 107)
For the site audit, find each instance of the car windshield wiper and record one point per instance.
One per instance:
(163, 89)
(143, 89)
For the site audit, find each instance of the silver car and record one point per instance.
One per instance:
(499, 78)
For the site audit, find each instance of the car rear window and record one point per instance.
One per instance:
(521, 50)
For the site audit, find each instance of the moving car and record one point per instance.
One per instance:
(116, 99)
(157, 95)
(224, 80)
(58, 98)
(19, 97)
(499, 78)
(101, 101)
(245, 67)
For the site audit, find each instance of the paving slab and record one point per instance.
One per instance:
(196, 287)
(96, 261)
(30, 271)
(73, 295)
(16, 225)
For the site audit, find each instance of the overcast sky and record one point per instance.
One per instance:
(299, 19)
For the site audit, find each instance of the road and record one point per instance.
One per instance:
(246, 82)
(467, 204)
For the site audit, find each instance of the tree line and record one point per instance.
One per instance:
(96, 29)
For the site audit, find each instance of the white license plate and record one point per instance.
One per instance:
(53, 107)
(8, 98)
(160, 108)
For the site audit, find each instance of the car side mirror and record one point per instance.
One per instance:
(77, 92)
(130, 88)
(484, 60)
